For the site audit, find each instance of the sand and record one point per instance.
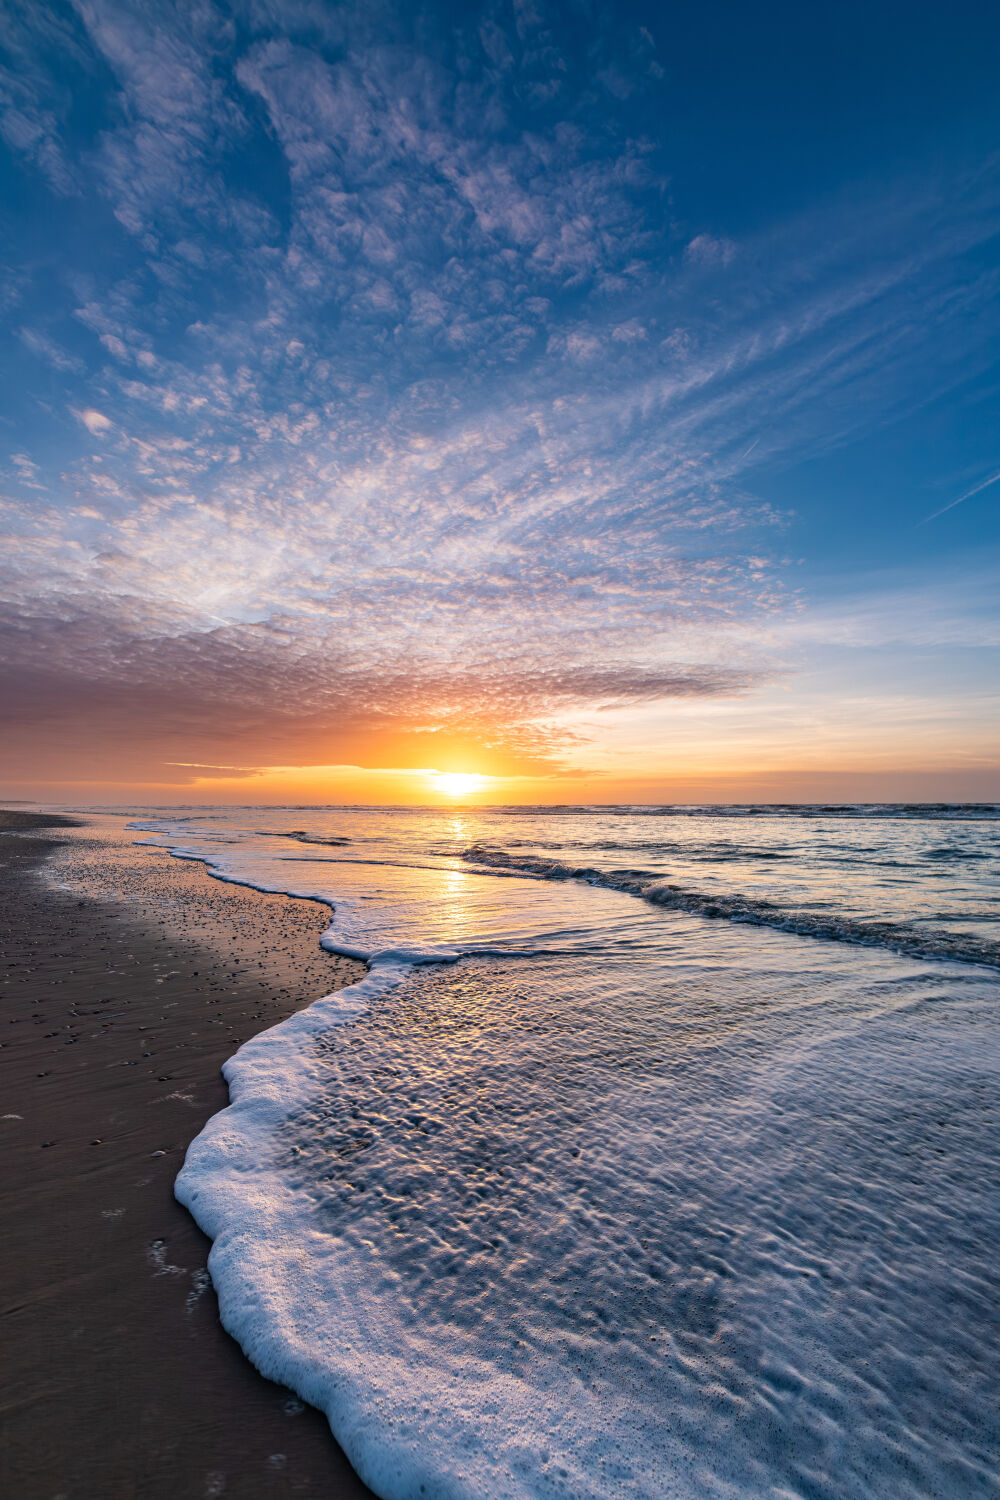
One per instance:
(118, 1378)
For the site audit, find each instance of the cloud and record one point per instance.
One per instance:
(248, 689)
(47, 349)
(31, 131)
(709, 250)
(976, 489)
(94, 421)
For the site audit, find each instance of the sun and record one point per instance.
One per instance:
(458, 783)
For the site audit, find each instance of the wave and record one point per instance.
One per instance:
(969, 812)
(898, 937)
(301, 836)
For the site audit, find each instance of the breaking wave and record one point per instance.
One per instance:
(904, 938)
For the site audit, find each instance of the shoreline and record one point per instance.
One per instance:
(117, 1016)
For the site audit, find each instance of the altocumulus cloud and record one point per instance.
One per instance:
(405, 408)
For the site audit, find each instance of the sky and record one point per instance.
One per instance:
(596, 402)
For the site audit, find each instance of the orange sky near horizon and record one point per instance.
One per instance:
(353, 785)
(812, 736)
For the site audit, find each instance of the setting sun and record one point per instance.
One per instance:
(457, 783)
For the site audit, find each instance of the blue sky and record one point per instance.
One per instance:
(578, 393)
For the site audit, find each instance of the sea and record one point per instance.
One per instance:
(655, 1156)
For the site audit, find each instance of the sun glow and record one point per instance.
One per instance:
(457, 783)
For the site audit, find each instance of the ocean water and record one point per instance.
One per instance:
(655, 1156)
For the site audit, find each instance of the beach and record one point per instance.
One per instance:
(653, 1153)
(117, 1016)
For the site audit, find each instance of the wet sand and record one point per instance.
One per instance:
(117, 1015)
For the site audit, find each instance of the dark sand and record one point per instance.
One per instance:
(118, 1379)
